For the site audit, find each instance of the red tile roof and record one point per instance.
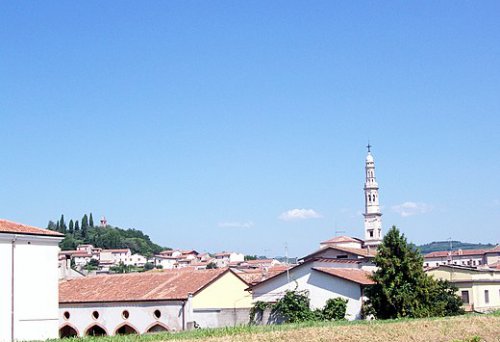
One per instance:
(364, 252)
(116, 250)
(19, 228)
(351, 274)
(254, 276)
(464, 252)
(148, 286)
(343, 238)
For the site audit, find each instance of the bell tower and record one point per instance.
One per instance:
(373, 216)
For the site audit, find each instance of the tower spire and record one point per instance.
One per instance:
(373, 216)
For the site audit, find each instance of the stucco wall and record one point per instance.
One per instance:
(35, 290)
(141, 315)
(213, 318)
(226, 292)
(321, 287)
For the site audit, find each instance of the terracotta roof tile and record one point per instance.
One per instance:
(342, 238)
(351, 274)
(19, 228)
(464, 252)
(165, 285)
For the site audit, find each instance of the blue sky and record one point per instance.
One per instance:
(202, 122)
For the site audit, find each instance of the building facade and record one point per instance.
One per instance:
(28, 291)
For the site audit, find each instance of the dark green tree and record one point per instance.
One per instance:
(51, 225)
(334, 309)
(402, 288)
(85, 221)
(62, 225)
(91, 221)
(211, 265)
(71, 227)
(77, 226)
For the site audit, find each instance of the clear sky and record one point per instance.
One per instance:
(202, 122)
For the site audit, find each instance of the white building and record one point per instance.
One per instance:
(373, 216)
(138, 303)
(322, 278)
(225, 259)
(472, 257)
(29, 308)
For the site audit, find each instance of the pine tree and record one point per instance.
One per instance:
(402, 287)
(91, 221)
(71, 227)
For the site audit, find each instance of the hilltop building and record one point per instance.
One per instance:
(28, 293)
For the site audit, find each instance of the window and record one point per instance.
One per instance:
(342, 256)
(95, 315)
(66, 315)
(371, 233)
(486, 296)
(125, 314)
(157, 314)
(465, 297)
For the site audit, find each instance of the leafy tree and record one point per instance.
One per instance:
(250, 257)
(211, 265)
(294, 307)
(91, 221)
(121, 268)
(334, 309)
(148, 266)
(51, 225)
(71, 227)
(402, 288)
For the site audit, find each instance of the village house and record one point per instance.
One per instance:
(479, 288)
(138, 303)
(224, 259)
(472, 257)
(28, 291)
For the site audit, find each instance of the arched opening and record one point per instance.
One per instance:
(125, 329)
(96, 330)
(157, 328)
(67, 331)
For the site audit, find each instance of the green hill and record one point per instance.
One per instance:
(445, 246)
(108, 237)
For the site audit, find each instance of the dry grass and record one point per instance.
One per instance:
(464, 328)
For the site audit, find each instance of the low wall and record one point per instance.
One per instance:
(216, 318)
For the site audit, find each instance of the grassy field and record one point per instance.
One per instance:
(473, 328)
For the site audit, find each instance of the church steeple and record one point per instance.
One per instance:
(373, 216)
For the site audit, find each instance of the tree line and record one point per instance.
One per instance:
(84, 231)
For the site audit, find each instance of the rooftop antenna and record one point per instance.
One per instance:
(451, 250)
(287, 268)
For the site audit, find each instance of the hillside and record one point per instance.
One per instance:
(105, 236)
(445, 246)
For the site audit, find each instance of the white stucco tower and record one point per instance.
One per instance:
(373, 216)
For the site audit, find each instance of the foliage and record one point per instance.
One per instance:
(104, 237)
(258, 309)
(121, 268)
(250, 257)
(148, 266)
(402, 287)
(211, 265)
(293, 307)
(334, 309)
(92, 265)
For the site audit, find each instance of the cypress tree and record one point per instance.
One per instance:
(62, 224)
(71, 227)
(77, 226)
(85, 222)
(91, 221)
